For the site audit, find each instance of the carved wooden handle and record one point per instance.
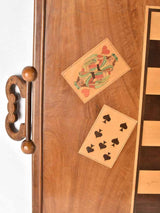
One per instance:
(29, 74)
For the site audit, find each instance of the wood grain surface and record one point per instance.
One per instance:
(13, 105)
(149, 182)
(153, 86)
(155, 25)
(148, 203)
(151, 133)
(63, 180)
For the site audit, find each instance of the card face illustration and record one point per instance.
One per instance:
(107, 136)
(95, 71)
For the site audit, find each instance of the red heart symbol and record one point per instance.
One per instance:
(105, 50)
(85, 92)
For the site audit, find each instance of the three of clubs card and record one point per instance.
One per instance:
(107, 136)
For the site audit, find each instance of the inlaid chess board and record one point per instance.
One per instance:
(146, 188)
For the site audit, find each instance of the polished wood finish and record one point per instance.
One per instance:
(147, 157)
(151, 133)
(149, 182)
(152, 109)
(28, 147)
(147, 203)
(37, 111)
(63, 180)
(153, 76)
(12, 107)
(155, 26)
(154, 52)
(29, 74)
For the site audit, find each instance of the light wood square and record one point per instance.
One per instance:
(149, 182)
(95, 71)
(151, 133)
(153, 81)
(155, 26)
(111, 129)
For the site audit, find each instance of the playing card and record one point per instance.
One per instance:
(107, 136)
(95, 71)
